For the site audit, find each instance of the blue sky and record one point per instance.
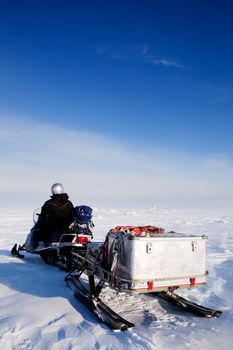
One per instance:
(133, 97)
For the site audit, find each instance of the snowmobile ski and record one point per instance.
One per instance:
(188, 305)
(15, 251)
(113, 320)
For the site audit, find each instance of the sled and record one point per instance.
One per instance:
(132, 260)
(140, 260)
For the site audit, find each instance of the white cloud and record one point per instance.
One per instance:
(166, 62)
(100, 169)
(221, 93)
(162, 61)
(218, 162)
(126, 53)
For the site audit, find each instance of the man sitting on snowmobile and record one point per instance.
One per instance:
(56, 215)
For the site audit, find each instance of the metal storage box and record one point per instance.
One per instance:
(157, 262)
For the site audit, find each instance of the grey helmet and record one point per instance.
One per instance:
(57, 188)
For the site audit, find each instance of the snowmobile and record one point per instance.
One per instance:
(139, 260)
(59, 252)
(132, 259)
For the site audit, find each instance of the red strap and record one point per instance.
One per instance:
(138, 229)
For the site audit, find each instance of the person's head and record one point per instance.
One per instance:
(57, 188)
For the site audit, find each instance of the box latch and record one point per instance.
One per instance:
(194, 246)
(149, 248)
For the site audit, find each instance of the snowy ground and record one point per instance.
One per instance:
(38, 311)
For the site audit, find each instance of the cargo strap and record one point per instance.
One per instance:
(138, 230)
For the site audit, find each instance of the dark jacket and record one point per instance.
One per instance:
(56, 215)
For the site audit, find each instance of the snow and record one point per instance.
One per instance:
(38, 310)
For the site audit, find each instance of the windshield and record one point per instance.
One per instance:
(36, 214)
